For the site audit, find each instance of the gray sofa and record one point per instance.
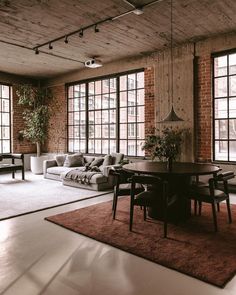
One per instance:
(57, 169)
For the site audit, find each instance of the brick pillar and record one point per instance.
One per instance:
(57, 130)
(149, 100)
(204, 112)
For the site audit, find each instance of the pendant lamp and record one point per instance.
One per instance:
(172, 116)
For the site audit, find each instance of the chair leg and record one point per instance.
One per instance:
(144, 213)
(114, 205)
(195, 207)
(199, 208)
(229, 210)
(131, 217)
(214, 216)
(218, 207)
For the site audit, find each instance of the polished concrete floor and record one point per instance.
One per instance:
(38, 257)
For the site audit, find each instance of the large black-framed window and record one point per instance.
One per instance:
(106, 115)
(224, 106)
(5, 118)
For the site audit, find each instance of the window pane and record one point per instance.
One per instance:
(91, 102)
(5, 91)
(140, 152)
(91, 131)
(91, 146)
(232, 129)
(221, 87)
(232, 64)
(232, 150)
(123, 99)
(220, 65)
(232, 86)
(140, 131)
(98, 87)
(113, 85)
(221, 129)
(105, 131)
(70, 105)
(140, 97)
(6, 132)
(98, 146)
(98, 117)
(5, 119)
(112, 146)
(140, 80)
(105, 86)
(123, 115)
(113, 131)
(131, 148)
(221, 150)
(113, 100)
(221, 107)
(5, 105)
(91, 117)
(123, 82)
(6, 146)
(140, 114)
(98, 102)
(112, 116)
(70, 92)
(91, 86)
(232, 107)
(105, 147)
(105, 117)
(123, 146)
(98, 131)
(132, 81)
(123, 131)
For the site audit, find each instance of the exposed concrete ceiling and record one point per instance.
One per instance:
(25, 24)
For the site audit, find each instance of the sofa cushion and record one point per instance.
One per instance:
(98, 178)
(61, 169)
(107, 160)
(75, 160)
(88, 159)
(60, 159)
(97, 162)
(117, 158)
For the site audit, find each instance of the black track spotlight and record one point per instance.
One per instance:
(36, 50)
(66, 40)
(96, 29)
(81, 33)
(50, 46)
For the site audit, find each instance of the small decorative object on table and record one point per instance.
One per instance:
(166, 145)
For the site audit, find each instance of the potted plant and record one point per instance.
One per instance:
(165, 145)
(36, 116)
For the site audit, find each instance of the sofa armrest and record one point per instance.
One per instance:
(106, 169)
(47, 164)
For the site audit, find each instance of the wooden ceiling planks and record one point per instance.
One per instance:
(29, 23)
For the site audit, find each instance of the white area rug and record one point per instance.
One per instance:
(19, 197)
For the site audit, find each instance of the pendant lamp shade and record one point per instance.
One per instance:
(172, 116)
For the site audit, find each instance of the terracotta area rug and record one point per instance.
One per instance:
(191, 248)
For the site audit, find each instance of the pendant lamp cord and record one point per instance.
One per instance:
(171, 51)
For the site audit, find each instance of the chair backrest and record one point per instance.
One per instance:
(160, 185)
(121, 175)
(222, 177)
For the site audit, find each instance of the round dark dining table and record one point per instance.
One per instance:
(179, 181)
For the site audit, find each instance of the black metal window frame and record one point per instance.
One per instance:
(6, 113)
(227, 118)
(117, 109)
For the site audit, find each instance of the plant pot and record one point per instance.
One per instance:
(36, 164)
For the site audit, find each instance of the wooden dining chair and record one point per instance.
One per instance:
(214, 195)
(122, 186)
(155, 188)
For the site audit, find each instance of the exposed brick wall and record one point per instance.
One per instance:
(56, 141)
(204, 111)
(149, 100)
(19, 146)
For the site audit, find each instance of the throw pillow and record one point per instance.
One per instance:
(107, 160)
(97, 162)
(117, 158)
(75, 160)
(60, 159)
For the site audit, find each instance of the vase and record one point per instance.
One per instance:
(169, 164)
